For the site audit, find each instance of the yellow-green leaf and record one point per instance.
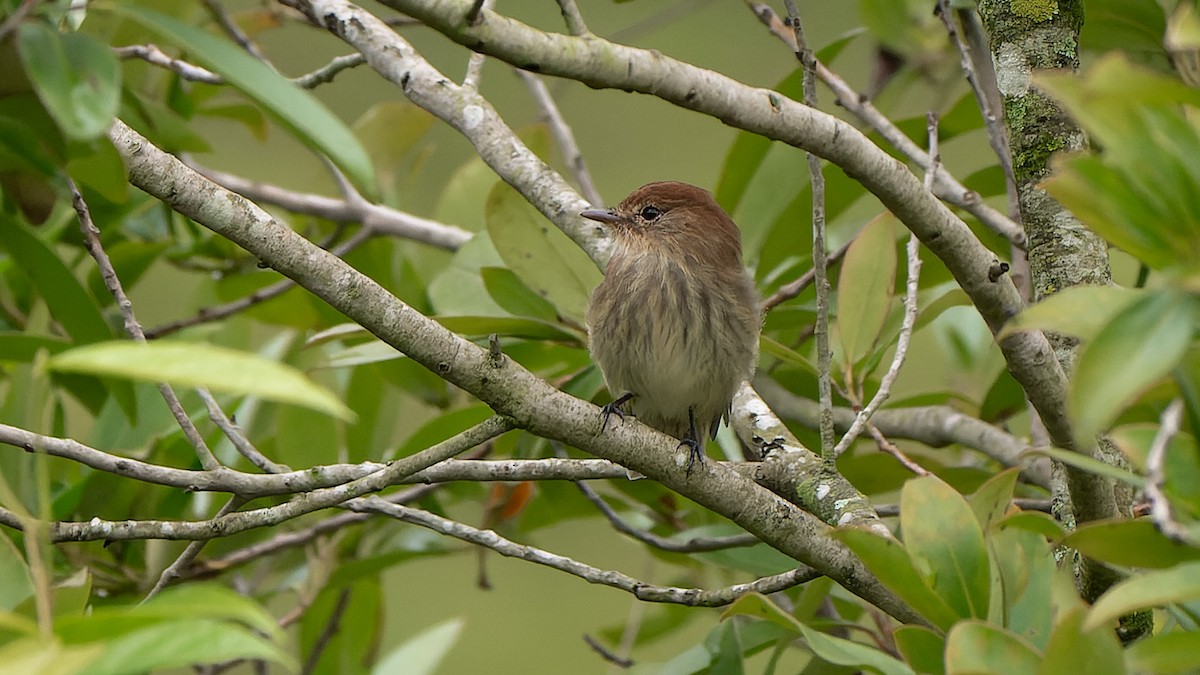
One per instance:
(200, 365)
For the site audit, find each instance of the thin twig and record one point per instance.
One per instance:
(946, 187)
(153, 55)
(692, 597)
(218, 312)
(316, 500)
(606, 653)
(91, 238)
(185, 559)
(564, 138)
(693, 545)
(819, 254)
(910, 313)
(327, 72)
(236, 437)
(891, 449)
(331, 628)
(992, 117)
(191, 72)
(573, 18)
(233, 31)
(289, 540)
(1160, 507)
(382, 219)
(793, 288)
(476, 60)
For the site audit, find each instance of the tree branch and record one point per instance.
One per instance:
(510, 389)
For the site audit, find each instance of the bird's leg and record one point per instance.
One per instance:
(694, 453)
(614, 408)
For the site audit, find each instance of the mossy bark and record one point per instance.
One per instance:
(1028, 36)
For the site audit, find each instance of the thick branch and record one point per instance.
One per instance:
(602, 64)
(510, 389)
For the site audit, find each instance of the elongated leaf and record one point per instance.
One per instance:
(1024, 569)
(296, 109)
(921, 648)
(509, 292)
(775, 348)
(1088, 463)
(976, 647)
(23, 347)
(76, 77)
(69, 303)
(422, 653)
(201, 365)
(1139, 346)
(1133, 543)
(1151, 589)
(866, 286)
(1165, 653)
(548, 262)
(176, 644)
(942, 535)
(832, 649)
(889, 561)
(991, 501)
(509, 326)
(758, 605)
(1079, 311)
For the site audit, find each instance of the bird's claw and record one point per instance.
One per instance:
(613, 408)
(694, 453)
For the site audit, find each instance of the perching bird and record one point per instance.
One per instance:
(674, 325)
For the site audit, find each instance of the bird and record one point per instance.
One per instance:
(674, 326)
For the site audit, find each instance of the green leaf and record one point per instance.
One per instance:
(1165, 653)
(422, 653)
(177, 644)
(99, 167)
(1132, 543)
(759, 605)
(1139, 346)
(975, 647)
(32, 656)
(943, 536)
(76, 77)
(921, 648)
(22, 347)
(865, 286)
(296, 109)
(844, 652)
(505, 326)
(991, 501)
(1024, 569)
(201, 365)
(18, 582)
(1088, 463)
(206, 601)
(889, 561)
(69, 302)
(1151, 589)
(458, 288)
(775, 348)
(1034, 521)
(506, 289)
(1079, 311)
(544, 258)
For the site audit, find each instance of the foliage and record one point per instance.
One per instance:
(983, 575)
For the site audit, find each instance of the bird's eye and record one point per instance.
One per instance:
(650, 213)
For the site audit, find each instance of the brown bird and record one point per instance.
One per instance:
(674, 325)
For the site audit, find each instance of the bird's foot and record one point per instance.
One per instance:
(695, 454)
(613, 408)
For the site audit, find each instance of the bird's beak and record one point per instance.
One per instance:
(607, 216)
